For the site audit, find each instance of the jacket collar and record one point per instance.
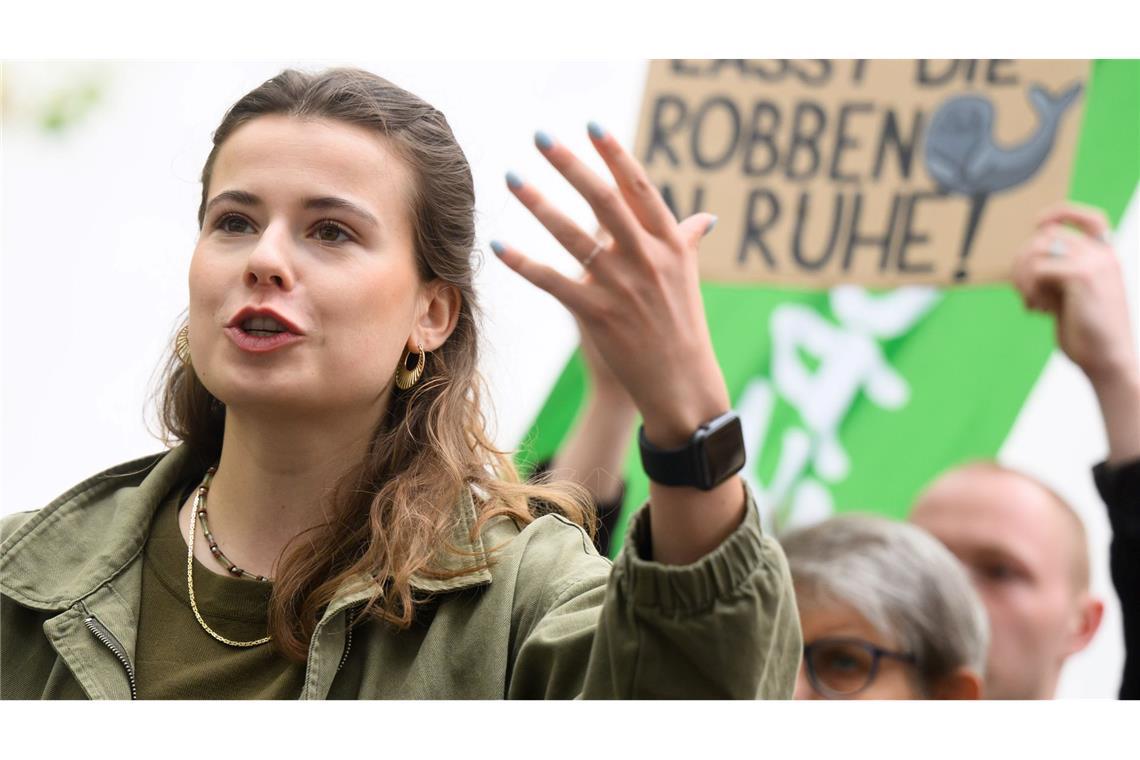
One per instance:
(90, 534)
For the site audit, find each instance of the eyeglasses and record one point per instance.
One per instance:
(841, 668)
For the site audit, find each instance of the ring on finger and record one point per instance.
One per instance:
(590, 258)
(1056, 248)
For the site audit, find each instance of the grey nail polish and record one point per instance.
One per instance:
(497, 247)
(543, 141)
(514, 181)
(595, 130)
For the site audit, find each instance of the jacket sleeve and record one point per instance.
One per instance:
(724, 627)
(1119, 486)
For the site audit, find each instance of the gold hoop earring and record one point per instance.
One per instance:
(406, 378)
(182, 345)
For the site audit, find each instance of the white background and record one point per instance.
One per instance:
(99, 224)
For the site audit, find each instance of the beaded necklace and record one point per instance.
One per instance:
(199, 508)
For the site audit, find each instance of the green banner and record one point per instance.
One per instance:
(853, 400)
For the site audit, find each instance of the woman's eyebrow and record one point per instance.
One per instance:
(240, 197)
(340, 204)
(323, 203)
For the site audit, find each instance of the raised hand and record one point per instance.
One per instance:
(1069, 270)
(1074, 275)
(639, 301)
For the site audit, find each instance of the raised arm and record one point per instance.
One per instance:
(594, 453)
(640, 303)
(1072, 273)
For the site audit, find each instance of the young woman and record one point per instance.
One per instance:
(333, 521)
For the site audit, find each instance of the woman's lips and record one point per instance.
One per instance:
(260, 344)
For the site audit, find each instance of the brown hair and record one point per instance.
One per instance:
(393, 512)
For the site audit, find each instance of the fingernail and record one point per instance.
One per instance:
(595, 130)
(712, 223)
(514, 181)
(497, 247)
(543, 141)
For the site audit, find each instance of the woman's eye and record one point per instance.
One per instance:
(331, 232)
(233, 224)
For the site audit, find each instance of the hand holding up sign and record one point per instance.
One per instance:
(1074, 275)
(640, 303)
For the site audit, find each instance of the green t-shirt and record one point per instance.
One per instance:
(174, 657)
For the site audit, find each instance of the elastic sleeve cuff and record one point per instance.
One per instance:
(695, 588)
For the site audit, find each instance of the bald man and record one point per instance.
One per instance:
(1024, 546)
(1027, 555)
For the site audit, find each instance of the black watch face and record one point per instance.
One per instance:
(724, 451)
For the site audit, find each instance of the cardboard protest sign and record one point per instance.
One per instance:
(876, 172)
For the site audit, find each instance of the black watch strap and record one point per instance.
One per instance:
(714, 453)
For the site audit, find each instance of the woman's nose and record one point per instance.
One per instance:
(270, 260)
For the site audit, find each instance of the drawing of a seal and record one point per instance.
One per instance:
(961, 154)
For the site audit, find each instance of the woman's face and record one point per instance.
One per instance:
(841, 637)
(309, 220)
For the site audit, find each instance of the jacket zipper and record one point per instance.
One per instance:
(108, 640)
(348, 641)
(113, 644)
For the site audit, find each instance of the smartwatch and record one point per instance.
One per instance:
(713, 455)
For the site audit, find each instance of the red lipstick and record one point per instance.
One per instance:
(260, 330)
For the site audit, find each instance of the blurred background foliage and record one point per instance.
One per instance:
(53, 98)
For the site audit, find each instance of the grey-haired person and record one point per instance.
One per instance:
(886, 611)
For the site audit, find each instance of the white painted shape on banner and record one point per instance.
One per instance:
(883, 316)
(850, 361)
(810, 504)
(795, 453)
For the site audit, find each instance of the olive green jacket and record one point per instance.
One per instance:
(551, 618)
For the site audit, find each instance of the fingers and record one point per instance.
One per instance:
(1043, 284)
(639, 192)
(567, 291)
(607, 202)
(1040, 274)
(603, 236)
(1058, 241)
(1089, 220)
(572, 237)
(696, 227)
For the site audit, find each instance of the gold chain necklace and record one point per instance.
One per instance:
(199, 503)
